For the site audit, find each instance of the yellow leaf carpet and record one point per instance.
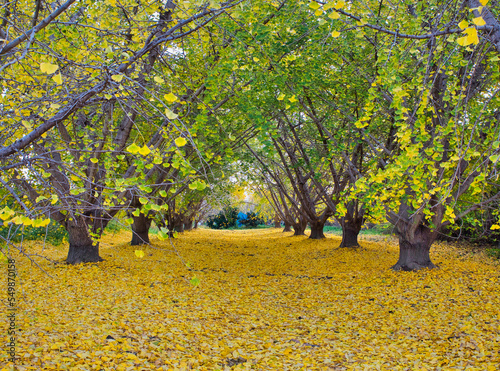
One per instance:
(255, 299)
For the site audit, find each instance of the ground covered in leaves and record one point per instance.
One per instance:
(265, 301)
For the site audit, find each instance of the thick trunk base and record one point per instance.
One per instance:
(188, 225)
(277, 225)
(413, 256)
(81, 247)
(140, 230)
(349, 238)
(317, 232)
(83, 254)
(288, 227)
(140, 238)
(299, 229)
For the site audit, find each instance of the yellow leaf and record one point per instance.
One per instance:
(335, 34)
(170, 115)
(329, 6)
(170, 98)
(57, 78)
(145, 150)
(180, 347)
(48, 68)
(479, 21)
(463, 25)
(472, 37)
(281, 96)
(462, 41)
(313, 5)
(287, 106)
(180, 142)
(292, 99)
(117, 78)
(139, 253)
(133, 148)
(318, 12)
(94, 160)
(339, 4)
(484, 2)
(495, 226)
(111, 2)
(55, 106)
(255, 59)
(334, 15)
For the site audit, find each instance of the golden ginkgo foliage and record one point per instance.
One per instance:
(263, 300)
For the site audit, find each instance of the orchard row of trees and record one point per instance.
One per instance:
(357, 111)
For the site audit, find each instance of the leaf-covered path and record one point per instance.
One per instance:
(265, 301)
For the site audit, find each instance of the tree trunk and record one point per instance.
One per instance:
(81, 247)
(351, 224)
(288, 227)
(414, 250)
(140, 230)
(349, 237)
(188, 225)
(299, 228)
(178, 223)
(317, 231)
(350, 232)
(277, 221)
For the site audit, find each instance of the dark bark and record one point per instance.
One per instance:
(317, 231)
(140, 230)
(177, 224)
(349, 237)
(351, 224)
(81, 247)
(299, 227)
(188, 225)
(277, 221)
(288, 227)
(414, 250)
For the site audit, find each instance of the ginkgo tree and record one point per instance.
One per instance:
(434, 103)
(75, 114)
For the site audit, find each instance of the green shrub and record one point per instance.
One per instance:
(493, 253)
(226, 219)
(54, 233)
(252, 220)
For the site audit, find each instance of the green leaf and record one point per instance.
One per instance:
(195, 281)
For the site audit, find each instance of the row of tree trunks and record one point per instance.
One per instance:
(350, 231)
